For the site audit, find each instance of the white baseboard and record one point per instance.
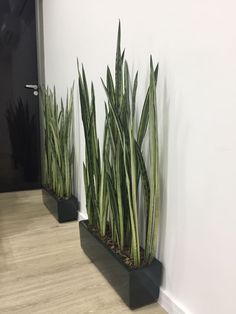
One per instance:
(170, 304)
(82, 216)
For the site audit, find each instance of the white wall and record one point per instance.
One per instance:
(195, 42)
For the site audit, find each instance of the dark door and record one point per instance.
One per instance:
(19, 108)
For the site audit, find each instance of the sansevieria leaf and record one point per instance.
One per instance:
(58, 160)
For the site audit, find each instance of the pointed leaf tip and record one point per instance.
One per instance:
(151, 62)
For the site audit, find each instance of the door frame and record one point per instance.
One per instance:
(40, 40)
(41, 71)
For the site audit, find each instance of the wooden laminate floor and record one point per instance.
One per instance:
(43, 269)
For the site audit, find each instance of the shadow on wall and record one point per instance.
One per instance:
(174, 140)
(164, 113)
(78, 185)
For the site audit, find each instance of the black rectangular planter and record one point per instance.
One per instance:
(62, 209)
(137, 287)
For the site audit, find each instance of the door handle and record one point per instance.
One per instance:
(34, 87)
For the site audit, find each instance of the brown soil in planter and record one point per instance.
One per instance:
(124, 255)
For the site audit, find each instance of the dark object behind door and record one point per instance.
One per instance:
(19, 107)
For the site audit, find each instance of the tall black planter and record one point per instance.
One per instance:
(137, 287)
(62, 209)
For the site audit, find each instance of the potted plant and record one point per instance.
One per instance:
(58, 156)
(116, 179)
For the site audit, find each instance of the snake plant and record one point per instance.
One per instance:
(115, 179)
(58, 148)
